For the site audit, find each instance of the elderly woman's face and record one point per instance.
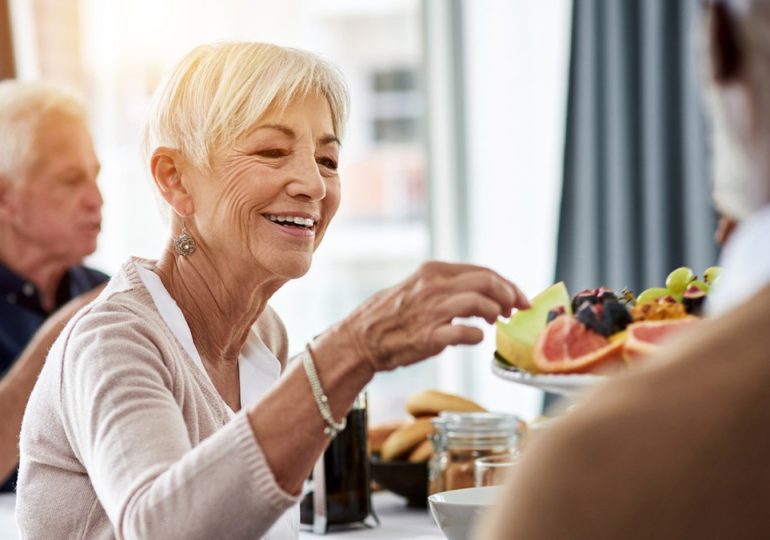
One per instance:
(270, 198)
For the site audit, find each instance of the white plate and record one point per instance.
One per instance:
(567, 385)
(455, 511)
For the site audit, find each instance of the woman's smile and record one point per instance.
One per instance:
(297, 224)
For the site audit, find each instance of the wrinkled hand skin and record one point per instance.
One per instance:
(412, 321)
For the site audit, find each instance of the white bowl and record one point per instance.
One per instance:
(455, 511)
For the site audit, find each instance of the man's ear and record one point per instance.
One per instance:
(724, 44)
(166, 166)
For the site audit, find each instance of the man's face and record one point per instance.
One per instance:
(740, 181)
(55, 206)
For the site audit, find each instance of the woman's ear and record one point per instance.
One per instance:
(166, 165)
(724, 44)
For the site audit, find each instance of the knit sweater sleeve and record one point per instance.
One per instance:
(126, 427)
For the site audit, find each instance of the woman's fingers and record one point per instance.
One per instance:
(522, 302)
(467, 304)
(456, 334)
(413, 320)
(506, 294)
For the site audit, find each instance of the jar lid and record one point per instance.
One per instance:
(477, 423)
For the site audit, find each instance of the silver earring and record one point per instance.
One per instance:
(184, 244)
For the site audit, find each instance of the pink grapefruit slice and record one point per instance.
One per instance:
(567, 346)
(646, 337)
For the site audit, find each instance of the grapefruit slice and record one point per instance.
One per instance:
(645, 337)
(567, 346)
(516, 337)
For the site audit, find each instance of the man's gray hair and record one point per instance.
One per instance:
(24, 107)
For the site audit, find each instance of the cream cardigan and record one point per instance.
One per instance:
(125, 437)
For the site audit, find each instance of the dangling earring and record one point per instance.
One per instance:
(184, 244)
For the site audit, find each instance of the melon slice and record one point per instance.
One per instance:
(516, 337)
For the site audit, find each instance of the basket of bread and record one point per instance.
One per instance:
(400, 451)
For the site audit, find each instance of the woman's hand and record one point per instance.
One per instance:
(414, 319)
(396, 327)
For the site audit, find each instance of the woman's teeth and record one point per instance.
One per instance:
(292, 220)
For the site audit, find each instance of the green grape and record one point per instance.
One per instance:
(678, 280)
(711, 274)
(648, 295)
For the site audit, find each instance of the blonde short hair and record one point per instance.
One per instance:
(24, 107)
(218, 92)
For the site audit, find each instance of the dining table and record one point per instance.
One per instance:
(397, 521)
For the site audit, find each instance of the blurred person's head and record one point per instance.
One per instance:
(50, 205)
(739, 57)
(242, 137)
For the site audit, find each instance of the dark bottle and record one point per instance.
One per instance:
(342, 477)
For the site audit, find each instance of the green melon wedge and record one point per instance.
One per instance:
(516, 337)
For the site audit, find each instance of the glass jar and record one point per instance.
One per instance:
(460, 438)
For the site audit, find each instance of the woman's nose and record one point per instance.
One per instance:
(306, 180)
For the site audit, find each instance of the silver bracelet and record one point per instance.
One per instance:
(332, 427)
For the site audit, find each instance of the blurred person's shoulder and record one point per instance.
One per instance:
(746, 263)
(83, 278)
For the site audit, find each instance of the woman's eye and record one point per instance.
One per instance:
(272, 153)
(328, 163)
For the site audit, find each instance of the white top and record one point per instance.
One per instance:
(746, 263)
(258, 370)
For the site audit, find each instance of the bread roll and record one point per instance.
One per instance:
(422, 453)
(377, 434)
(405, 438)
(433, 402)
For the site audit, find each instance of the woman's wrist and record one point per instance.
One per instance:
(337, 351)
(322, 400)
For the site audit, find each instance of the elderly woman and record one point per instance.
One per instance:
(160, 412)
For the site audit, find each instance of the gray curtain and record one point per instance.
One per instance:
(636, 197)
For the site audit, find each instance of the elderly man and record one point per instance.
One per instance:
(681, 449)
(50, 216)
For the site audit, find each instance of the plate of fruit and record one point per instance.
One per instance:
(565, 344)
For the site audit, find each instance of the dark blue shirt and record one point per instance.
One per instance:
(21, 314)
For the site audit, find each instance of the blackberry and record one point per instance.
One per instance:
(615, 317)
(592, 317)
(555, 312)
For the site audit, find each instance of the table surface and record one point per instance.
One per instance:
(7, 522)
(396, 521)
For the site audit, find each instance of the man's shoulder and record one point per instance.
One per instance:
(84, 278)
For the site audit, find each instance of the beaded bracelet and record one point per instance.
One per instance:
(332, 427)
